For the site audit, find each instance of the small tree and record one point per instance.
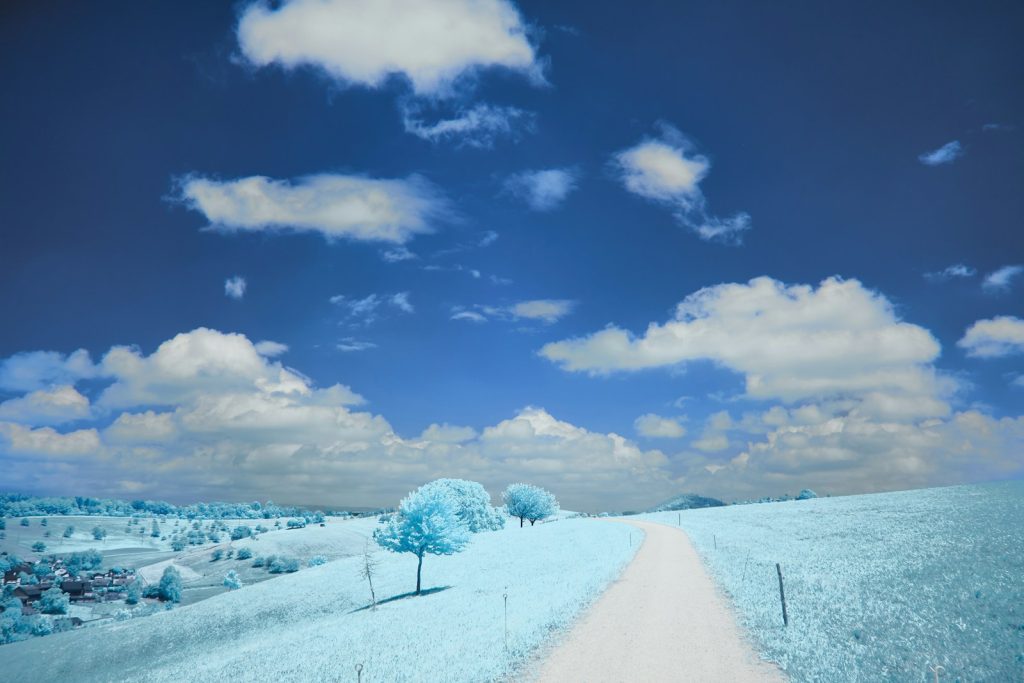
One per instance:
(24, 521)
(170, 585)
(427, 521)
(68, 531)
(155, 532)
(39, 547)
(243, 554)
(232, 580)
(53, 601)
(806, 494)
(528, 502)
(368, 569)
(98, 533)
(217, 554)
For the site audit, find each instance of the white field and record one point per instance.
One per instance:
(311, 625)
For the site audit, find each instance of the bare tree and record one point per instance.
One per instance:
(369, 568)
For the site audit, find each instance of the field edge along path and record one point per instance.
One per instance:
(663, 620)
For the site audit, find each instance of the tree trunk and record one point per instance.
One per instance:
(520, 522)
(419, 570)
(532, 521)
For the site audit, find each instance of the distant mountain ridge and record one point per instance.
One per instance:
(687, 501)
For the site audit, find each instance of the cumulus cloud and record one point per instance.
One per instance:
(234, 424)
(479, 126)
(789, 342)
(1002, 279)
(947, 154)
(657, 427)
(668, 171)
(364, 42)
(994, 338)
(47, 407)
(544, 310)
(957, 270)
(542, 190)
(234, 287)
(337, 206)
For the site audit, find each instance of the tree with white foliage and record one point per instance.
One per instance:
(528, 502)
(427, 521)
(473, 504)
(170, 585)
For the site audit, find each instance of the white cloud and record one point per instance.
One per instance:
(397, 255)
(479, 126)
(657, 427)
(145, 427)
(18, 439)
(350, 344)
(369, 309)
(337, 206)
(542, 190)
(192, 364)
(364, 42)
(789, 342)
(658, 170)
(35, 370)
(546, 310)
(947, 154)
(270, 349)
(471, 316)
(47, 407)
(234, 287)
(446, 433)
(1002, 279)
(853, 454)
(667, 171)
(957, 270)
(401, 302)
(994, 337)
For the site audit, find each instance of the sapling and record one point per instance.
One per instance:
(368, 569)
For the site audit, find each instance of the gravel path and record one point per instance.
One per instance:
(663, 620)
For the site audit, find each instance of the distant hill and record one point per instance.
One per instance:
(687, 501)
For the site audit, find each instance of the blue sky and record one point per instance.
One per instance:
(489, 228)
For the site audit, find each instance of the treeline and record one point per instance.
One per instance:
(21, 505)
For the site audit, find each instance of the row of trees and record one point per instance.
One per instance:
(20, 505)
(439, 518)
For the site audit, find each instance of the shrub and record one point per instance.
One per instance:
(24, 521)
(232, 580)
(217, 554)
(68, 531)
(243, 554)
(806, 494)
(284, 565)
(317, 560)
(258, 561)
(98, 533)
(240, 532)
(39, 547)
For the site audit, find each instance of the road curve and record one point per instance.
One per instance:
(663, 620)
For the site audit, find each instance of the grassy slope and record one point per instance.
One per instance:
(307, 626)
(879, 587)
